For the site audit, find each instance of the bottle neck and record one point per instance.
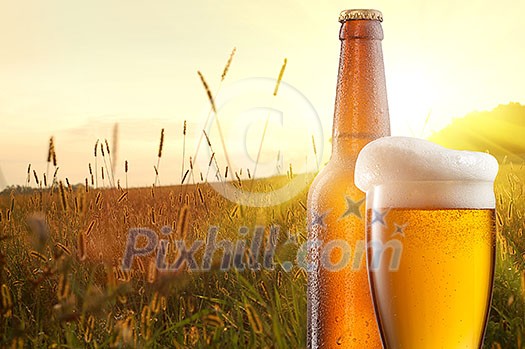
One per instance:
(361, 107)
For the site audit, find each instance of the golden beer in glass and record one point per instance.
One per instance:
(430, 242)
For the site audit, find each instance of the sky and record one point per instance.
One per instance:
(72, 70)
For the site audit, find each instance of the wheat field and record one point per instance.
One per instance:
(62, 282)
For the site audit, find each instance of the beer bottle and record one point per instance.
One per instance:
(340, 309)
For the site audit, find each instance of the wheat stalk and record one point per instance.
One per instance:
(208, 91)
(81, 246)
(90, 228)
(105, 164)
(63, 196)
(111, 178)
(212, 157)
(281, 73)
(126, 171)
(184, 177)
(122, 197)
(238, 179)
(191, 170)
(276, 89)
(54, 177)
(152, 215)
(91, 175)
(88, 334)
(50, 152)
(221, 136)
(54, 156)
(209, 117)
(95, 183)
(183, 148)
(183, 222)
(159, 156)
(227, 67)
(253, 319)
(28, 180)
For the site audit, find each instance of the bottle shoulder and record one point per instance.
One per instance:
(335, 170)
(335, 179)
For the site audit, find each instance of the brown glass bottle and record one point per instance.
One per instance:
(340, 310)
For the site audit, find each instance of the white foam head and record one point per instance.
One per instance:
(417, 173)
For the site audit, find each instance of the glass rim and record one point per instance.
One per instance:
(433, 194)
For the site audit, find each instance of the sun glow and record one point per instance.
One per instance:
(136, 65)
(412, 94)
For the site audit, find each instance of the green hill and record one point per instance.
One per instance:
(500, 131)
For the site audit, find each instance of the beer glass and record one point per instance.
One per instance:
(430, 259)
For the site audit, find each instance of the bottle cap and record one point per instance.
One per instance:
(371, 15)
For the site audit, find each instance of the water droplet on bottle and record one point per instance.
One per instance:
(339, 340)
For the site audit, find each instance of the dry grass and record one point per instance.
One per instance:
(507, 320)
(62, 281)
(61, 249)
